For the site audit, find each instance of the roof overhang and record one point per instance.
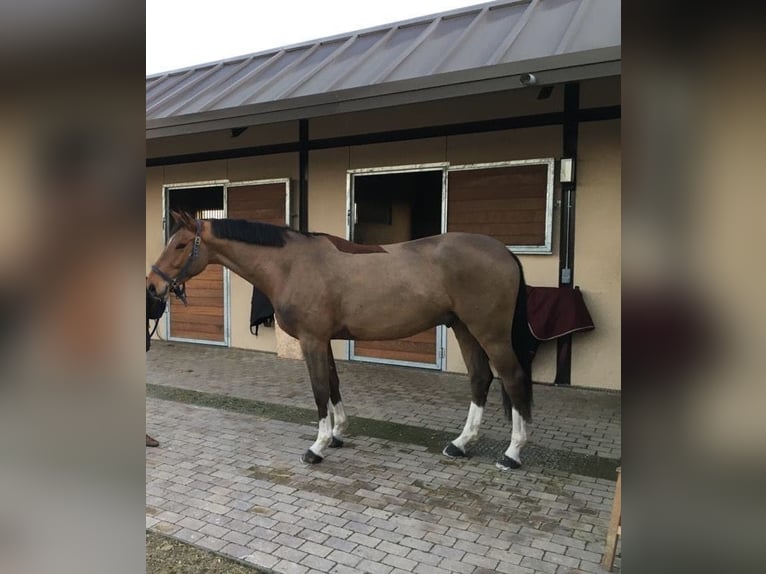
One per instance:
(550, 70)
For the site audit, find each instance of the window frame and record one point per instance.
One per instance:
(545, 248)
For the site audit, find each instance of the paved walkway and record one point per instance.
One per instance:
(232, 482)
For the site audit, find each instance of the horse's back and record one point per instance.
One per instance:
(458, 251)
(452, 240)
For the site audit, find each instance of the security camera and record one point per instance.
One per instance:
(527, 79)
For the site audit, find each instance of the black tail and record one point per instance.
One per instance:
(522, 342)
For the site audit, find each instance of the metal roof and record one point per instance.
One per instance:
(469, 50)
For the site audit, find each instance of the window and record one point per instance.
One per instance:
(510, 201)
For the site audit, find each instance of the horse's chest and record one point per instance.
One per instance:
(288, 319)
(297, 319)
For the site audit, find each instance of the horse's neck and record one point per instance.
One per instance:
(264, 267)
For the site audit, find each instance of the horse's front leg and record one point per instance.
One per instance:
(317, 361)
(340, 421)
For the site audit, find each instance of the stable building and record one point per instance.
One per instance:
(501, 118)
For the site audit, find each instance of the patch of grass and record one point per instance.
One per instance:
(165, 555)
(408, 434)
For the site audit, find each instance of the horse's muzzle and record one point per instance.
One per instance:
(154, 294)
(171, 286)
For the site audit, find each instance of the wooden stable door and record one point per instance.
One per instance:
(420, 348)
(203, 318)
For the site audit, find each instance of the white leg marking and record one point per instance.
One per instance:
(324, 437)
(518, 437)
(471, 429)
(340, 421)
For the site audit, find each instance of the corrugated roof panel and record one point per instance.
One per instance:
(596, 27)
(484, 40)
(336, 65)
(396, 45)
(541, 33)
(235, 95)
(421, 60)
(170, 81)
(184, 87)
(151, 82)
(229, 74)
(295, 73)
(341, 66)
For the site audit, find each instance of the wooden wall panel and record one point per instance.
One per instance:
(507, 203)
(265, 203)
(203, 318)
(419, 348)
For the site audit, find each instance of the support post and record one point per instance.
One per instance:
(567, 224)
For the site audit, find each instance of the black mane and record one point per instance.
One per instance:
(253, 232)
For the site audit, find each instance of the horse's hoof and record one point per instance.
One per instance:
(507, 463)
(336, 443)
(310, 458)
(452, 451)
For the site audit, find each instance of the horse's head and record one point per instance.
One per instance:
(184, 256)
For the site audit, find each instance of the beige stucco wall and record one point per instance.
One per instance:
(600, 92)
(154, 237)
(596, 355)
(327, 203)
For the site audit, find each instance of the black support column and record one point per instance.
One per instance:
(567, 224)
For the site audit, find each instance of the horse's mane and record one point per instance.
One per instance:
(254, 232)
(258, 233)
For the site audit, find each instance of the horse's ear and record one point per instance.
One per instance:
(183, 219)
(188, 221)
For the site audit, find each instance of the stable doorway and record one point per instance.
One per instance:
(392, 206)
(203, 320)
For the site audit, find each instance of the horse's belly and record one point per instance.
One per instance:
(394, 319)
(391, 299)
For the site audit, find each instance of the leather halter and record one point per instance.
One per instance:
(177, 286)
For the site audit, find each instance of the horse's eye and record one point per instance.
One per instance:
(180, 245)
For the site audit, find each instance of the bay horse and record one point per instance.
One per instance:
(323, 287)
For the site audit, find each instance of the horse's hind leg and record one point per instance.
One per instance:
(516, 386)
(481, 377)
(340, 422)
(318, 364)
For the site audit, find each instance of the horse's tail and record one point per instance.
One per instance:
(522, 343)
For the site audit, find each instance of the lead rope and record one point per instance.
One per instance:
(156, 324)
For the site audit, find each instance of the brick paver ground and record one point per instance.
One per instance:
(233, 483)
(581, 420)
